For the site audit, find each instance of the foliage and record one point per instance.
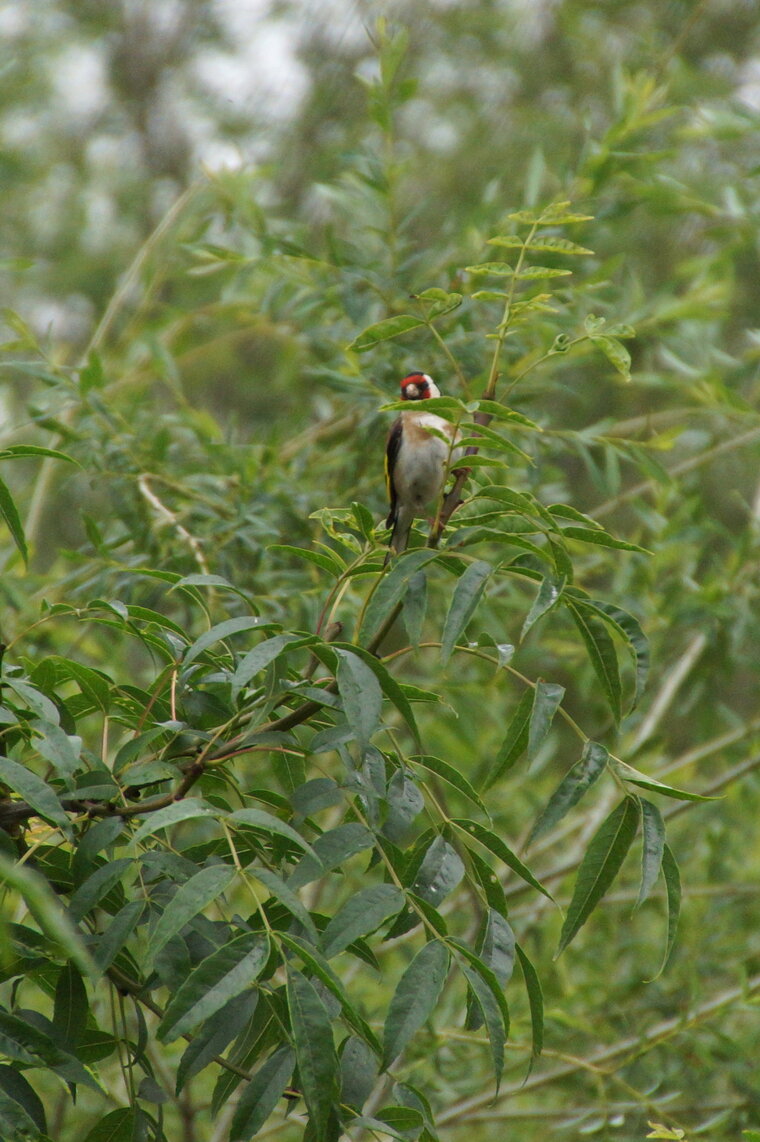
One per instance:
(279, 823)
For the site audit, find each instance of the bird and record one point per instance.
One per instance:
(418, 453)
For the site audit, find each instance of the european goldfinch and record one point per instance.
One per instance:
(416, 459)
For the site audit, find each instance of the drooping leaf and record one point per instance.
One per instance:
(97, 886)
(262, 1094)
(116, 1126)
(573, 786)
(601, 651)
(358, 1072)
(35, 792)
(499, 848)
(535, 999)
(269, 824)
(361, 696)
(215, 1035)
(515, 743)
(15, 1087)
(46, 909)
(189, 899)
(547, 697)
(70, 1008)
(600, 866)
(453, 776)
(390, 687)
(315, 1050)
(219, 632)
(673, 891)
(628, 773)
(489, 997)
(9, 513)
(465, 599)
(361, 914)
(384, 330)
(287, 897)
(187, 810)
(392, 588)
(414, 999)
(549, 594)
(652, 848)
(439, 874)
(216, 980)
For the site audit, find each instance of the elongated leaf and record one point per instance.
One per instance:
(9, 513)
(602, 538)
(258, 659)
(331, 849)
(331, 563)
(549, 594)
(496, 845)
(516, 741)
(262, 1094)
(220, 977)
(71, 1008)
(600, 866)
(221, 631)
(287, 898)
(60, 749)
(117, 1126)
(574, 784)
(187, 810)
(96, 886)
(636, 641)
(35, 792)
(189, 899)
(361, 696)
(318, 965)
(384, 330)
(601, 651)
(490, 998)
(47, 911)
(453, 776)
(216, 1034)
(465, 599)
(358, 1072)
(546, 699)
(652, 848)
(19, 1091)
(628, 773)
(268, 823)
(535, 999)
(315, 1050)
(414, 999)
(390, 687)
(496, 949)
(439, 874)
(112, 940)
(489, 882)
(615, 352)
(360, 915)
(673, 887)
(392, 588)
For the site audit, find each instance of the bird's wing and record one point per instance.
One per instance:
(392, 449)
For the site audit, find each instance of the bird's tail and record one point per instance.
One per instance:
(402, 525)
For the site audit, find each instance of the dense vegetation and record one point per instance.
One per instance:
(291, 841)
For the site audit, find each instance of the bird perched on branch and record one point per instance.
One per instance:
(418, 455)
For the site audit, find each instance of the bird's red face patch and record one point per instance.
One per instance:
(415, 386)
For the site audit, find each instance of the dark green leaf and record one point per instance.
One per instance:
(221, 976)
(602, 538)
(360, 915)
(35, 792)
(267, 823)
(262, 1094)
(549, 594)
(388, 684)
(9, 513)
(287, 898)
(467, 594)
(332, 849)
(574, 784)
(546, 699)
(628, 773)
(361, 696)
(331, 563)
(258, 659)
(383, 330)
(601, 651)
(70, 1008)
(652, 848)
(516, 741)
(187, 810)
(496, 845)
(451, 775)
(16, 1087)
(315, 1050)
(673, 890)
(112, 940)
(535, 999)
(221, 631)
(96, 886)
(439, 874)
(391, 589)
(117, 1126)
(414, 998)
(600, 866)
(189, 899)
(358, 1072)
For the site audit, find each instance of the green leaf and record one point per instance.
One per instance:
(499, 269)
(573, 786)
(9, 513)
(489, 997)
(673, 891)
(117, 1126)
(287, 898)
(61, 749)
(549, 594)
(361, 696)
(600, 866)
(496, 845)
(439, 874)
(35, 792)
(388, 684)
(331, 563)
(634, 777)
(19, 1091)
(318, 965)
(535, 999)
(384, 330)
(392, 588)
(45, 907)
(465, 599)
(652, 849)
(630, 631)
(546, 700)
(450, 774)
(516, 741)
(190, 898)
(273, 826)
(315, 1050)
(224, 974)
(602, 538)
(187, 810)
(361, 914)
(262, 1094)
(70, 1008)
(615, 352)
(414, 999)
(215, 1036)
(97, 886)
(601, 651)
(20, 450)
(331, 850)
(221, 631)
(112, 940)
(358, 1072)
(258, 659)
